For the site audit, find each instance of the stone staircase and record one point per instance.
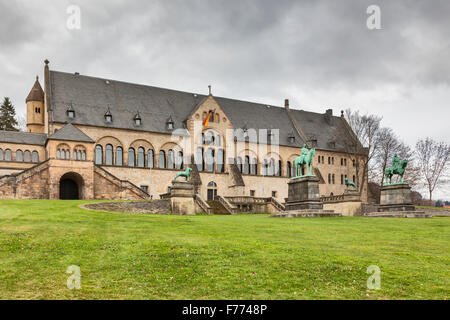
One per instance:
(218, 208)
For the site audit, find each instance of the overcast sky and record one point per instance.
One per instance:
(319, 54)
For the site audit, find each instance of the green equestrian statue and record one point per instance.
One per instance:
(348, 184)
(304, 159)
(186, 174)
(398, 167)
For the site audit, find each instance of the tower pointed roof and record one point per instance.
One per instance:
(36, 93)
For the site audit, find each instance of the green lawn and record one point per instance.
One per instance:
(131, 256)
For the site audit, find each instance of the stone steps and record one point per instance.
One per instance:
(399, 214)
(218, 208)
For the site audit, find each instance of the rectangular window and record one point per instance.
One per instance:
(252, 193)
(144, 188)
(274, 194)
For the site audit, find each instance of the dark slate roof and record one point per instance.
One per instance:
(23, 137)
(315, 124)
(70, 133)
(91, 97)
(36, 93)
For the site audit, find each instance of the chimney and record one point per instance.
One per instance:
(286, 103)
(329, 116)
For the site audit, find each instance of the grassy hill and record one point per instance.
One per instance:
(135, 256)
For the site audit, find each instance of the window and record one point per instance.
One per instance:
(345, 162)
(162, 160)
(239, 163)
(209, 138)
(199, 159)
(131, 157)
(170, 159)
(67, 155)
(141, 157)
(323, 160)
(220, 161)
(252, 193)
(279, 168)
(210, 160)
(58, 154)
(342, 179)
(274, 194)
(71, 114)
(35, 157)
(354, 178)
(289, 170)
(179, 160)
(27, 156)
(332, 177)
(329, 178)
(144, 188)
(109, 155)
(342, 161)
(108, 118)
(1, 155)
(98, 154)
(150, 158)
(218, 140)
(265, 167)
(318, 159)
(332, 160)
(19, 156)
(254, 167)
(247, 165)
(8, 155)
(354, 162)
(329, 160)
(271, 167)
(119, 156)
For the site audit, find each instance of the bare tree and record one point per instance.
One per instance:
(364, 144)
(434, 160)
(21, 122)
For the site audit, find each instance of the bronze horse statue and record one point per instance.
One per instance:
(304, 159)
(398, 167)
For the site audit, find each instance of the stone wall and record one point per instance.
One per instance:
(28, 184)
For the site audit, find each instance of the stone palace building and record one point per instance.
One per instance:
(93, 138)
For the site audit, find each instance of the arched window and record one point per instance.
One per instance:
(131, 157)
(210, 160)
(203, 138)
(8, 155)
(265, 167)
(271, 167)
(150, 158)
(67, 155)
(254, 168)
(170, 159)
(19, 156)
(199, 159)
(35, 157)
(220, 161)
(119, 156)
(109, 155)
(141, 157)
(247, 165)
(58, 154)
(179, 160)
(98, 154)
(162, 159)
(218, 140)
(210, 138)
(239, 163)
(75, 155)
(83, 155)
(212, 184)
(27, 156)
(279, 168)
(288, 169)
(1, 155)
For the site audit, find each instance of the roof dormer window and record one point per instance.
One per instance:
(170, 124)
(108, 116)
(70, 112)
(291, 137)
(137, 119)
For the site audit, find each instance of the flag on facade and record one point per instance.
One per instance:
(210, 114)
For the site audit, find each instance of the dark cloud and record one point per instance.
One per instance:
(319, 54)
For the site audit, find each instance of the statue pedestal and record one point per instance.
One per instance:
(395, 202)
(351, 194)
(182, 198)
(304, 199)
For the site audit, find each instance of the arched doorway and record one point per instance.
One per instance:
(71, 186)
(212, 191)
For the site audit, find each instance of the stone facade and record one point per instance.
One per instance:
(107, 174)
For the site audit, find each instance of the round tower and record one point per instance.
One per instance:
(35, 109)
